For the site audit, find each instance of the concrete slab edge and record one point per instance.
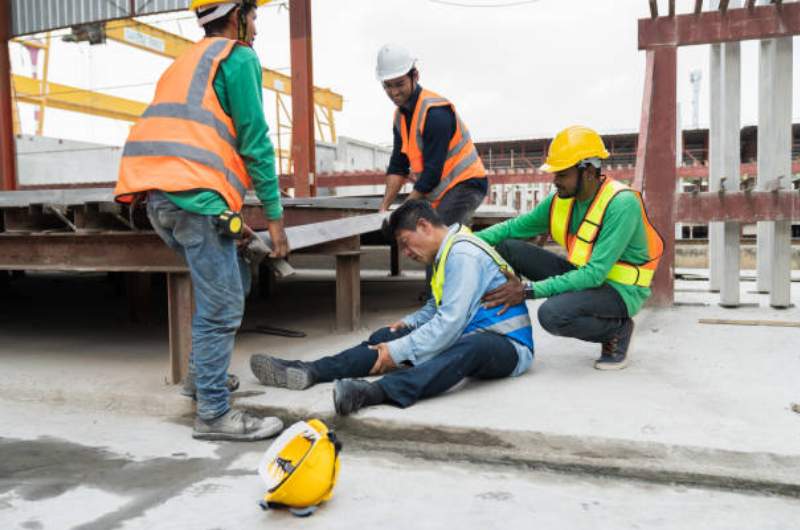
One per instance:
(752, 472)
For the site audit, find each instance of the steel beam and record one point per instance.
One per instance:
(715, 27)
(122, 251)
(348, 287)
(303, 144)
(740, 207)
(8, 156)
(655, 161)
(180, 301)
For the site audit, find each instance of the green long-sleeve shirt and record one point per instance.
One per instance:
(622, 237)
(238, 88)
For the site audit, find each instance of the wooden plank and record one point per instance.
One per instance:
(309, 235)
(734, 322)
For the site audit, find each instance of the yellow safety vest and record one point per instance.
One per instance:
(579, 246)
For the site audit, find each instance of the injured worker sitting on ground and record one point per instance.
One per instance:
(428, 352)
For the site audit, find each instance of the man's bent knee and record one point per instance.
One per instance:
(552, 319)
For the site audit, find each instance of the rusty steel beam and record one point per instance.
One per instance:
(303, 144)
(180, 302)
(715, 27)
(122, 251)
(655, 161)
(742, 207)
(8, 157)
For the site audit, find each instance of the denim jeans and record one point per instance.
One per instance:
(480, 355)
(218, 284)
(593, 315)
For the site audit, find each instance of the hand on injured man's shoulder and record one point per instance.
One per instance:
(509, 294)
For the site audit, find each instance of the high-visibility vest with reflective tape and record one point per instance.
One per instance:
(515, 323)
(184, 140)
(462, 161)
(579, 245)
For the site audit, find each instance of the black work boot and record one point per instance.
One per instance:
(189, 389)
(271, 371)
(615, 351)
(351, 395)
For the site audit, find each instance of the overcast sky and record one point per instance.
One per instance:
(519, 71)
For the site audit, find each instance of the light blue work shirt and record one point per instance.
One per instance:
(470, 274)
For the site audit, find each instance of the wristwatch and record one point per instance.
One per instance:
(528, 290)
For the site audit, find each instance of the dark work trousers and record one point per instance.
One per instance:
(480, 355)
(457, 206)
(593, 315)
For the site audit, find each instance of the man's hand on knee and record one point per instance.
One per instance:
(397, 326)
(384, 363)
(509, 294)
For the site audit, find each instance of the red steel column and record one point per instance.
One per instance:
(303, 146)
(8, 158)
(655, 161)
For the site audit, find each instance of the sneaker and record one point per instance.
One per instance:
(190, 390)
(238, 426)
(351, 395)
(615, 351)
(271, 371)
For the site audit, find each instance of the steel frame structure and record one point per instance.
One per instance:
(656, 172)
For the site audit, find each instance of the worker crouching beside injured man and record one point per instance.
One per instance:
(612, 250)
(452, 337)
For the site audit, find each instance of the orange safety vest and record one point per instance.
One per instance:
(184, 140)
(579, 246)
(462, 162)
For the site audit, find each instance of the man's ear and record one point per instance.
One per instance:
(415, 75)
(423, 225)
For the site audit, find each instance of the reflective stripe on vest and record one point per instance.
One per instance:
(580, 245)
(515, 323)
(184, 140)
(462, 161)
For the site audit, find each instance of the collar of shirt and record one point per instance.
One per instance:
(451, 231)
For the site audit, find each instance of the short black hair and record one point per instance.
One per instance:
(218, 25)
(407, 216)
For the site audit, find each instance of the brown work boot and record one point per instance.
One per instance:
(614, 355)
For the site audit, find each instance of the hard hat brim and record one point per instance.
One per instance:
(395, 73)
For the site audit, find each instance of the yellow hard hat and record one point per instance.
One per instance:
(199, 4)
(300, 468)
(571, 146)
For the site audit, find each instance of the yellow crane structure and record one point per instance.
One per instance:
(149, 38)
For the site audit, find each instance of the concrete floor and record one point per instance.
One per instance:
(700, 404)
(106, 470)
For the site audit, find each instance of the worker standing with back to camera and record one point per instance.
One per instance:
(195, 151)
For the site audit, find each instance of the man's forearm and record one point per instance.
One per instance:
(393, 184)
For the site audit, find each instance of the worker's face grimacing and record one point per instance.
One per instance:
(566, 182)
(400, 89)
(419, 244)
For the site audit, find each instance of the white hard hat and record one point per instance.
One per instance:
(393, 61)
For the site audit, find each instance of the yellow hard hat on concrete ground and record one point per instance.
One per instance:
(300, 468)
(571, 146)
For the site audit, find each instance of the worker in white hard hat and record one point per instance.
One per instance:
(432, 145)
(193, 154)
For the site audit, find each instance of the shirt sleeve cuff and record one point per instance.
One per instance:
(400, 350)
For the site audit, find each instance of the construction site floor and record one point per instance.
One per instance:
(701, 405)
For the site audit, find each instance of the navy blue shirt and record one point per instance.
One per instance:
(440, 126)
